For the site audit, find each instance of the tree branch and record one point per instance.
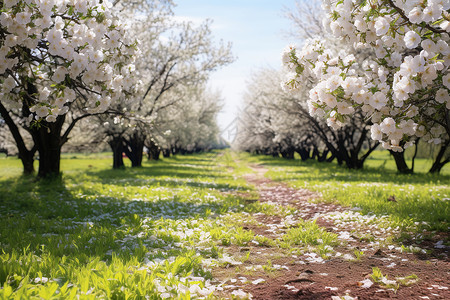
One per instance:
(402, 13)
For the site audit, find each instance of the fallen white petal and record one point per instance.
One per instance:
(366, 283)
(258, 281)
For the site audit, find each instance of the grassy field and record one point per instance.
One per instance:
(158, 232)
(381, 160)
(420, 199)
(154, 231)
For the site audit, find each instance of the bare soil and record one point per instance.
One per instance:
(300, 278)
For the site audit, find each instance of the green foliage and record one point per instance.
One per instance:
(421, 199)
(358, 254)
(311, 236)
(378, 277)
(408, 280)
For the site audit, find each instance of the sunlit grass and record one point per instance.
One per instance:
(383, 161)
(420, 199)
(102, 233)
(160, 230)
(310, 235)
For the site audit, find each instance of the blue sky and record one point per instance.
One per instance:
(256, 29)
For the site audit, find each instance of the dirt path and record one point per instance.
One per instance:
(347, 272)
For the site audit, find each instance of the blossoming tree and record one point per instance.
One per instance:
(277, 122)
(174, 54)
(189, 125)
(404, 90)
(61, 61)
(283, 123)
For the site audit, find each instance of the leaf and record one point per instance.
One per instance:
(73, 294)
(6, 291)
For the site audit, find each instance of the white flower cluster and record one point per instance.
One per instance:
(66, 49)
(403, 87)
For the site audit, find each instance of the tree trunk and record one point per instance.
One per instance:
(400, 161)
(354, 162)
(116, 144)
(25, 155)
(330, 159)
(153, 150)
(153, 153)
(156, 153)
(288, 154)
(175, 150)
(323, 157)
(135, 148)
(304, 154)
(166, 153)
(349, 150)
(416, 149)
(139, 152)
(27, 159)
(438, 164)
(315, 153)
(342, 155)
(47, 138)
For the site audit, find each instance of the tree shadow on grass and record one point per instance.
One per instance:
(75, 232)
(65, 232)
(165, 170)
(167, 174)
(35, 213)
(195, 159)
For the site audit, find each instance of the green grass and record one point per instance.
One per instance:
(102, 233)
(160, 230)
(378, 277)
(382, 160)
(310, 235)
(422, 200)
